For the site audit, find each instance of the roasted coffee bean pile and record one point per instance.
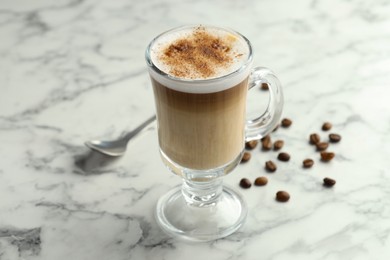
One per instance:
(271, 167)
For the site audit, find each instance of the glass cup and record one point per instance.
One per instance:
(202, 130)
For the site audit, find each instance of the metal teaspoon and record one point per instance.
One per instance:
(118, 147)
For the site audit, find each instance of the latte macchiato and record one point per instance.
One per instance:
(200, 77)
(200, 121)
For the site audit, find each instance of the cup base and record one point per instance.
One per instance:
(201, 224)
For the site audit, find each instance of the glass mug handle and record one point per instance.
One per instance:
(261, 126)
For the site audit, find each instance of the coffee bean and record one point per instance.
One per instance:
(284, 157)
(270, 166)
(334, 138)
(265, 138)
(245, 183)
(266, 144)
(278, 145)
(264, 86)
(251, 144)
(245, 157)
(282, 196)
(286, 122)
(314, 138)
(261, 181)
(308, 163)
(327, 156)
(322, 146)
(326, 126)
(276, 128)
(328, 182)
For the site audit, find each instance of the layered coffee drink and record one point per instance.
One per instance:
(200, 96)
(200, 77)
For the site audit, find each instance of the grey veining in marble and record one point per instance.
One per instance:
(73, 70)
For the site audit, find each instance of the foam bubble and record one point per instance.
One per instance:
(222, 72)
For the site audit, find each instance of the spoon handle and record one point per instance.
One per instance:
(137, 130)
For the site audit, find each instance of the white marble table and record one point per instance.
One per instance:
(71, 70)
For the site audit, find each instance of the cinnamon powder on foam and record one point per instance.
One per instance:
(198, 55)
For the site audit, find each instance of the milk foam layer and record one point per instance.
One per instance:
(226, 67)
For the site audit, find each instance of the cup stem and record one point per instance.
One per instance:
(202, 193)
